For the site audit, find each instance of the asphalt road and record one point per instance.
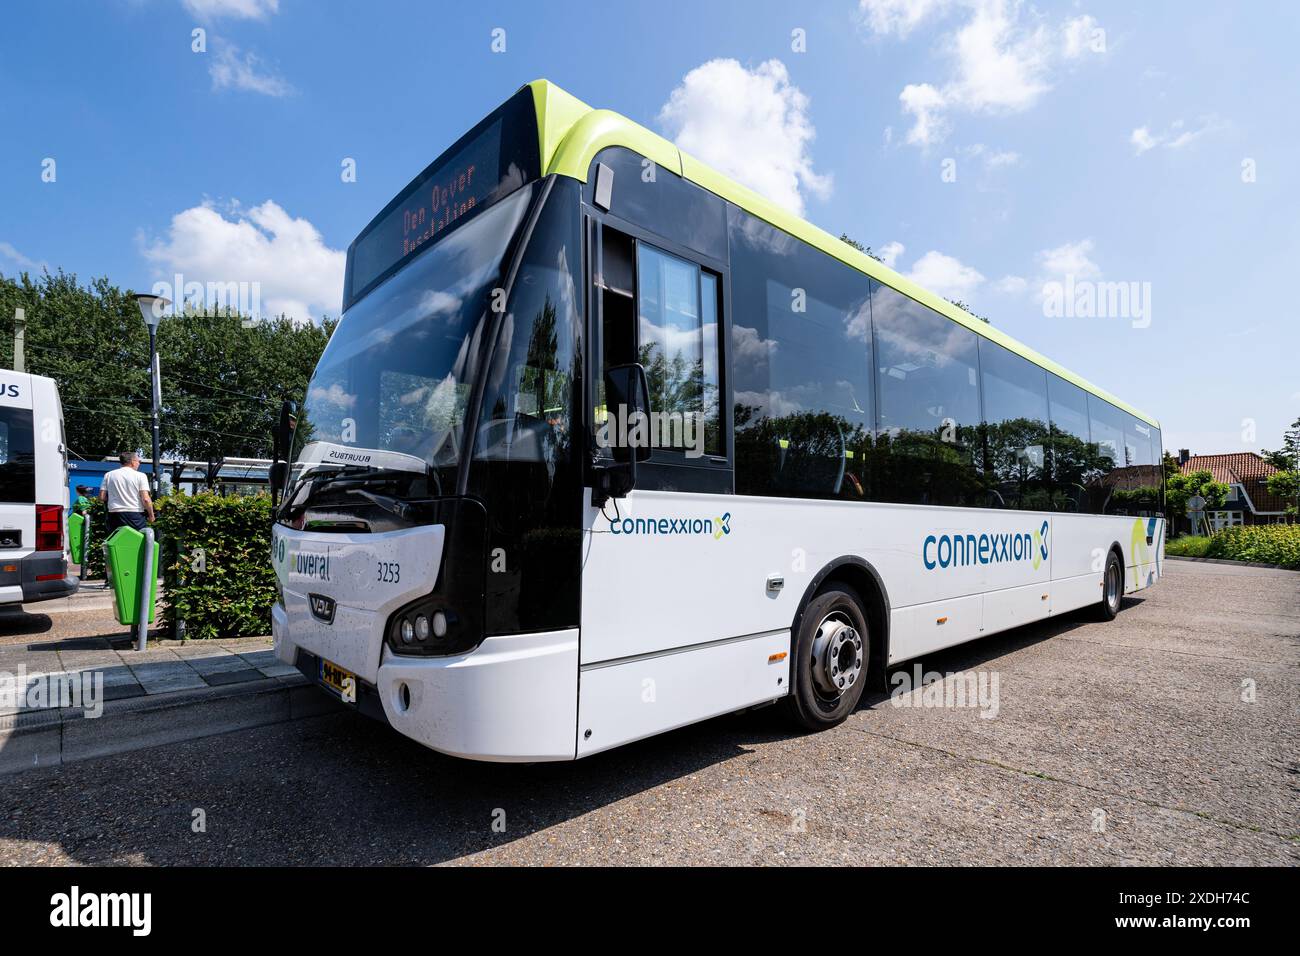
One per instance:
(1120, 743)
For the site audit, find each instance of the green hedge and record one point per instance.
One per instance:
(216, 564)
(217, 574)
(1189, 546)
(1265, 543)
(95, 557)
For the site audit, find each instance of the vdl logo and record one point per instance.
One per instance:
(962, 550)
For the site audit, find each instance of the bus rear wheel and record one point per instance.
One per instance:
(1112, 588)
(830, 658)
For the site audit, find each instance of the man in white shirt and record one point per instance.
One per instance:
(126, 493)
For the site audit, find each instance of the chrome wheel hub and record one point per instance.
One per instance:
(1112, 586)
(837, 655)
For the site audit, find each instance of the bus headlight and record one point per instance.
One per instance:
(424, 628)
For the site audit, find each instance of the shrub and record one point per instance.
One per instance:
(1189, 546)
(217, 570)
(1266, 543)
(95, 556)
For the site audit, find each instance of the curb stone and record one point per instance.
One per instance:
(44, 738)
(1236, 564)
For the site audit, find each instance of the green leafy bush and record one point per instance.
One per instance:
(217, 571)
(1189, 546)
(95, 556)
(1265, 543)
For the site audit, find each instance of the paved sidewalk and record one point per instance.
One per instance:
(166, 666)
(92, 595)
(72, 686)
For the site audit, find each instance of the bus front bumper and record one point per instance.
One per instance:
(514, 698)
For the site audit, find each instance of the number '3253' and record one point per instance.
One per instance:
(390, 572)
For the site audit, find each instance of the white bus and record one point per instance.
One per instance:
(606, 444)
(33, 491)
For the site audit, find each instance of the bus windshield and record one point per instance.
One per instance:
(389, 395)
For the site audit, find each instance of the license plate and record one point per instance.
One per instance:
(340, 681)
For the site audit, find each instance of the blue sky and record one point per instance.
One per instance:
(987, 147)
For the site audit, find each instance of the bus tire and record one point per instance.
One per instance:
(830, 657)
(1112, 588)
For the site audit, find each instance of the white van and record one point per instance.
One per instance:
(33, 491)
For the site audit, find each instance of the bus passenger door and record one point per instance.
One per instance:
(663, 608)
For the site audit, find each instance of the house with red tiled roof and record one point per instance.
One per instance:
(1246, 475)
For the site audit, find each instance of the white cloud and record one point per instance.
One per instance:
(751, 349)
(890, 252)
(992, 159)
(752, 125)
(1001, 65)
(1079, 35)
(232, 69)
(1176, 136)
(1002, 58)
(298, 273)
(235, 9)
(334, 395)
(945, 275)
(1072, 259)
(1069, 259)
(900, 17)
(8, 251)
(926, 104)
(1142, 140)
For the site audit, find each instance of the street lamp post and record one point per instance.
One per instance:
(151, 308)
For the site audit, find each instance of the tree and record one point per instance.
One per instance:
(1287, 457)
(1179, 489)
(223, 376)
(1286, 485)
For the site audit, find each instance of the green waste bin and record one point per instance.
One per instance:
(124, 559)
(76, 536)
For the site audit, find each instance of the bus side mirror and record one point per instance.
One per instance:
(282, 448)
(627, 398)
(627, 401)
(284, 429)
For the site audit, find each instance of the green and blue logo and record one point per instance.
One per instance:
(718, 527)
(964, 550)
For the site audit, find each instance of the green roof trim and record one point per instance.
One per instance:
(572, 133)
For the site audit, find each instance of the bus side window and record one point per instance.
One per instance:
(677, 343)
(616, 285)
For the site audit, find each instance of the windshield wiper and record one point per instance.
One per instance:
(414, 510)
(353, 478)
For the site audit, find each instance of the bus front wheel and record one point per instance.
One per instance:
(830, 658)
